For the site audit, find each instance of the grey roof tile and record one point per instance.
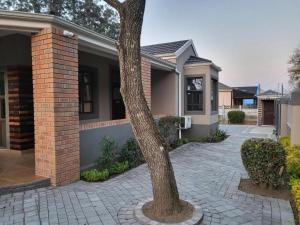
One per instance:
(163, 48)
(195, 59)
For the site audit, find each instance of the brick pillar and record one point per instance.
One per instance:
(20, 107)
(56, 116)
(146, 79)
(259, 112)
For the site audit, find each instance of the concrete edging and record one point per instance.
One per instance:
(196, 218)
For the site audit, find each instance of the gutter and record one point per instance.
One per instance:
(83, 33)
(179, 98)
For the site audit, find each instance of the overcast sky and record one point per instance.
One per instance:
(250, 39)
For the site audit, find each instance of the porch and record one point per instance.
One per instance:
(59, 97)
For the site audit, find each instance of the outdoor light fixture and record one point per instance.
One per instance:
(68, 34)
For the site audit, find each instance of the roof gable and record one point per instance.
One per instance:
(176, 47)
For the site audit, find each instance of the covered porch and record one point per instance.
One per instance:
(60, 95)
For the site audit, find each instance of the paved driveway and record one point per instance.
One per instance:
(207, 173)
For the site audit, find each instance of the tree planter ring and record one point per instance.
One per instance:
(143, 219)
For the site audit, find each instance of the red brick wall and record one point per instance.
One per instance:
(259, 112)
(55, 93)
(146, 79)
(20, 107)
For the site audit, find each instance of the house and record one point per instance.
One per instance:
(235, 97)
(266, 107)
(59, 85)
(225, 95)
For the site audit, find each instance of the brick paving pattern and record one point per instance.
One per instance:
(208, 174)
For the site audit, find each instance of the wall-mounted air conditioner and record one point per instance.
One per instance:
(187, 122)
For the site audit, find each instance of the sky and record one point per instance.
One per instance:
(251, 40)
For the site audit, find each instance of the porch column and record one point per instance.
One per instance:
(146, 79)
(56, 116)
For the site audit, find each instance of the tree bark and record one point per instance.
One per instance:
(165, 193)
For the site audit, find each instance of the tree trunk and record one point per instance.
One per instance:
(165, 193)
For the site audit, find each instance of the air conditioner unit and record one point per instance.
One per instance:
(187, 122)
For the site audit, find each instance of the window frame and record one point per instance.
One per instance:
(216, 96)
(195, 112)
(93, 72)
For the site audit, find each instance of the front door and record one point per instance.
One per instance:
(118, 108)
(268, 112)
(3, 124)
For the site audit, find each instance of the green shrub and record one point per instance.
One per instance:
(182, 141)
(236, 116)
(168, 128)
(264, 160)
(219, 136)
(108, 150)
(295, 186)
(119, 167)
(285, 141)
(131, 152)
(95, 175)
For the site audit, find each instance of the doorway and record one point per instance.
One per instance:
(3, 111)
(117, 104)
(268, 112)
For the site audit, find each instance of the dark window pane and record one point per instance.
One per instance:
(194, 94)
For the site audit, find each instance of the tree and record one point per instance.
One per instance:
(88, 13)
(294, 70)
(166, 198)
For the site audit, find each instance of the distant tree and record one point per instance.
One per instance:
(294, 70)
(92, 14)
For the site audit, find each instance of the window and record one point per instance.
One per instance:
(86, 91)
(194, 94)
(214, 95)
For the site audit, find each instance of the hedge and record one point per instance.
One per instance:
(293, 169)
(264, 160)
(236, 117)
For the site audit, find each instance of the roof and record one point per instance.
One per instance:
(247, 89)
(224, 87)
(164, 48)
(270, 93)
(34, 22)
(197, 60)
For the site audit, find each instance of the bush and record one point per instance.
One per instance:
(292, 158)
(95, 175)
(264, 160)
(108, 149)
(295, 186)
(236, 116)
(131, 152)
(219, 136)
(168, 127)
(119, 167)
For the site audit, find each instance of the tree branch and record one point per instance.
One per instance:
(115, 4)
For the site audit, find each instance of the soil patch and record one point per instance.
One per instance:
(185, 214)
(246, 185)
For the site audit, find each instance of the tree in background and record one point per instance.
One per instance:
(294, 70)
(94, 15)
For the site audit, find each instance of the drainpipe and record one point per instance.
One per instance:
(179, 98)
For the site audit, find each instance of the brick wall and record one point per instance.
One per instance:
(259, 112)
(20, 107)
(146, 79)
(55, 93)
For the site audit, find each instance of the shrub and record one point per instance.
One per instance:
(295, 186)
(168, 127)
(236, 116)
(131, 152)
(95, 175)
(264, 160)
(119, 167)
(292, 158)
(219, 136)
(108, 149)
